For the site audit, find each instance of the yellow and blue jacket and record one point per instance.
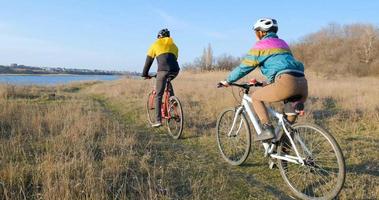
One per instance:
(166, 53)
(272, 55)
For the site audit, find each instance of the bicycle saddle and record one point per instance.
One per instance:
(294, 105)
(170, 77)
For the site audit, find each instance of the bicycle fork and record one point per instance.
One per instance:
(237, 113)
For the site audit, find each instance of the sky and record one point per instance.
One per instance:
(115, 34)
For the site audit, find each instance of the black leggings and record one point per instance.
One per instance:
(162, 77)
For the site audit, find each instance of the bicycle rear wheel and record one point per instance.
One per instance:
(175, 122)
(323, 174)
(150, 107)
(234, 147)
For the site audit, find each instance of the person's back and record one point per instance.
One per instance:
(275, 57)
(166, 53)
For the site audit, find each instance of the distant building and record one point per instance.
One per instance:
(13, 65)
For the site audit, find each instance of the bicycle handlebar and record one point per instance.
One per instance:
(150, 76)
(243, 85)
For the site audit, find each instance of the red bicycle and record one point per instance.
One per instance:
(172, 112)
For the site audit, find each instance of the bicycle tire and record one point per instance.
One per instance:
(150, 108)
(224, 123)
(176, 121)
(308, 181)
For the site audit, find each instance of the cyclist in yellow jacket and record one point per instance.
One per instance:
(166, 53)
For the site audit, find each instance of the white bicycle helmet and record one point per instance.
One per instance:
(266, 25)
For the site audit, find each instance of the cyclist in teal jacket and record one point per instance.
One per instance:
(285, 75)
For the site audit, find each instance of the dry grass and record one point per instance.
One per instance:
(69, 146)
(350, 93)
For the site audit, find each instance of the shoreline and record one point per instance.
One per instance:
(60, 75)
(52, 79)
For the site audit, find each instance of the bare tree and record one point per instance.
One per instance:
(206, 62)
(367, 45)
(227, 62)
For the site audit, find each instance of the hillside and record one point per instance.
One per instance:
(351, 49)
(341, 49)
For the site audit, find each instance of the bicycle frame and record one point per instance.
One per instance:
(269, 148)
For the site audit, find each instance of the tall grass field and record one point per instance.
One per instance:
(92, 141)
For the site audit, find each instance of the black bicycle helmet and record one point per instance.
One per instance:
(163, 33)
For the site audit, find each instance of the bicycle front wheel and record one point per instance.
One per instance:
(150, 107)
(175, 121)
(323, 174)
(234, 142)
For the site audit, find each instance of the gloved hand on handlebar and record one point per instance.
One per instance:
(252, 82)
(222, 84)
(256, 83)
(148, 76)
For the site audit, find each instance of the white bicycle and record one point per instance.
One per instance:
(308, 157)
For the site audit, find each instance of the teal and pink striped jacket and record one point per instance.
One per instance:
(272, 55)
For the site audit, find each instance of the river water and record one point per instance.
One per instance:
(52, 79)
